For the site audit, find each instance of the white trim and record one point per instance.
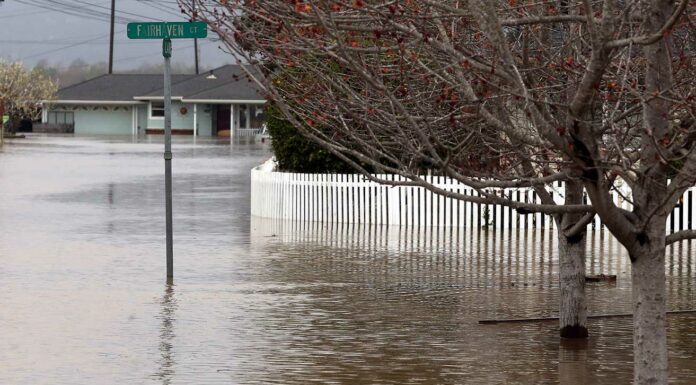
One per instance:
(149, 113)
(146, 98)
(195, 119)
(100, 102)
(139, 100)
(134, 119)
(225, 101)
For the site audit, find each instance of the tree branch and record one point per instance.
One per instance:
(680, 236)
(654, 37)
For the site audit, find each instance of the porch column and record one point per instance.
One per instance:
(134, 120)
(232, 121)
(44, 113)
(195, 119)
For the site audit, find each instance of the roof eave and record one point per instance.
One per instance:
(112, 102)
(225, 101)
(156, 97)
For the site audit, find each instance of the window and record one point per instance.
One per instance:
(157, 110)
(242, 116)
(258, 115)
(60, 117)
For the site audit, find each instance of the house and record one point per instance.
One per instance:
(208, 104)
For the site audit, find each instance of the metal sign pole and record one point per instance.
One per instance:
(167, 31)
(167, 53)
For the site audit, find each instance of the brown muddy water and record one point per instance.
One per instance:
(83, 299)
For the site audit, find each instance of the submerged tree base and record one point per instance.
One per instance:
(574, 331)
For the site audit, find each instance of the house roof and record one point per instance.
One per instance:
(229, 83)
(114, 87)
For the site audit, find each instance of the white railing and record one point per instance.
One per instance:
(350, 198)
(246, 132)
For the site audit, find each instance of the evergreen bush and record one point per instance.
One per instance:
(295, 153)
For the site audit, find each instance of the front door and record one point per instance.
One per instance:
(223, 120)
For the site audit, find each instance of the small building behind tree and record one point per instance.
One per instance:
(221, 102)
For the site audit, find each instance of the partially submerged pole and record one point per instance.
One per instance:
(167, 53)
(165, 32)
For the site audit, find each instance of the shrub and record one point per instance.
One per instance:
(295, 153)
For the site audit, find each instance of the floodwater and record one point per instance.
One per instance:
(84, 300)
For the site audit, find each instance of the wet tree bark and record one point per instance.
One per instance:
(649, 311)
(573, 303)
(571, 256)
(647, 252)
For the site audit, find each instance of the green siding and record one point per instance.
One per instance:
(179, 121)
(104, 122)
(142, 118)
(205, 120)
(117, 120)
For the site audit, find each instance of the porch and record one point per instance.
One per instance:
(234, 119)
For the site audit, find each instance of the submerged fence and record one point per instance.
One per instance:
(350, 198)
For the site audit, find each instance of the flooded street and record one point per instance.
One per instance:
(83, 297)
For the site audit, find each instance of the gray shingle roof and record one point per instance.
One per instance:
(230, 83)
(115, 87)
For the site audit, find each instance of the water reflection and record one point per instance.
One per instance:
(572, 362)
(417, 294)
(167, 316)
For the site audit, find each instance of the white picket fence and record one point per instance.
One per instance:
(350, 198)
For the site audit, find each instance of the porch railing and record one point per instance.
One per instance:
(245, 132)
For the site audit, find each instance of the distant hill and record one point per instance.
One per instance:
(79, 70)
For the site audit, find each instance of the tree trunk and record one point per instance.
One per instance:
(573, 303)
(571, 261)
(2, 123)
(12, 125)
(649, 311)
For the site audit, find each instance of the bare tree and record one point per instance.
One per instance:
(22, 92)
(499, 95)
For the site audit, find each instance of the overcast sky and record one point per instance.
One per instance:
(33, 30)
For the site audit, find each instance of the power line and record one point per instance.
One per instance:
(160, 8)
(72, 41)
(7, 16)
(122, 12)
(69, 9)
(67, 46)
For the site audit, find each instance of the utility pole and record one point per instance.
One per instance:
(111, 39)
(195, 47)
(195, 41)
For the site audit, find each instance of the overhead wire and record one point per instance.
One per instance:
(83, 11)
(118, 11)
(69, 9)
(159, 7)
(11, 15)
(68, 46)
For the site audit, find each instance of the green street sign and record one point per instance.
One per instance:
(5, 118)
(167, 48)
(166, 30)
